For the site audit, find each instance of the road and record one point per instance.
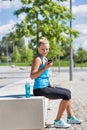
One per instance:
(12, 74)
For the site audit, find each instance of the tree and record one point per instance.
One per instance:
(16, 57)
(26, 54)
(10, 42)
(45, 18)
(2, 50)
(81, 55)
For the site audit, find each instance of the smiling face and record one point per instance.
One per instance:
(43, 49)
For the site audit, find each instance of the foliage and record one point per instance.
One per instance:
(42, 18)
(16, 55)
(45, 18)
(3, 58)
(81, 55)
(9, 43)
(26, 54)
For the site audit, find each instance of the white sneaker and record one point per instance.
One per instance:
(61, 124)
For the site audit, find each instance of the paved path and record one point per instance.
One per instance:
(79, 95)
(78, 88)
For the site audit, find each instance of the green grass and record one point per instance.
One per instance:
(66, 64)
(62, 63)
(16, 64)
(55, 63)
(81, 65)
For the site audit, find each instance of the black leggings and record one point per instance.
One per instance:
(53, 93)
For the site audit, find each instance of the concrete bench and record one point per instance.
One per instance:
(23, 113)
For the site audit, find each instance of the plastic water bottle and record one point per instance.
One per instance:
(27, 90)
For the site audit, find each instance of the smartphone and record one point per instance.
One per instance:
(50, 60)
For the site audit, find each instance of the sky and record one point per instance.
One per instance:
(79, 10)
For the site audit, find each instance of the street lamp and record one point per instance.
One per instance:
(59, 57)
(71, 49)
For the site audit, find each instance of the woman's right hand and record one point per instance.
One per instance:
(48, 64)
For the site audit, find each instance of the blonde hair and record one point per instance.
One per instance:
(43, 40)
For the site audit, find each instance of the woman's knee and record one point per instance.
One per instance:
(68, 95)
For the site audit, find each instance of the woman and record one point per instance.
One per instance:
(42, 87)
